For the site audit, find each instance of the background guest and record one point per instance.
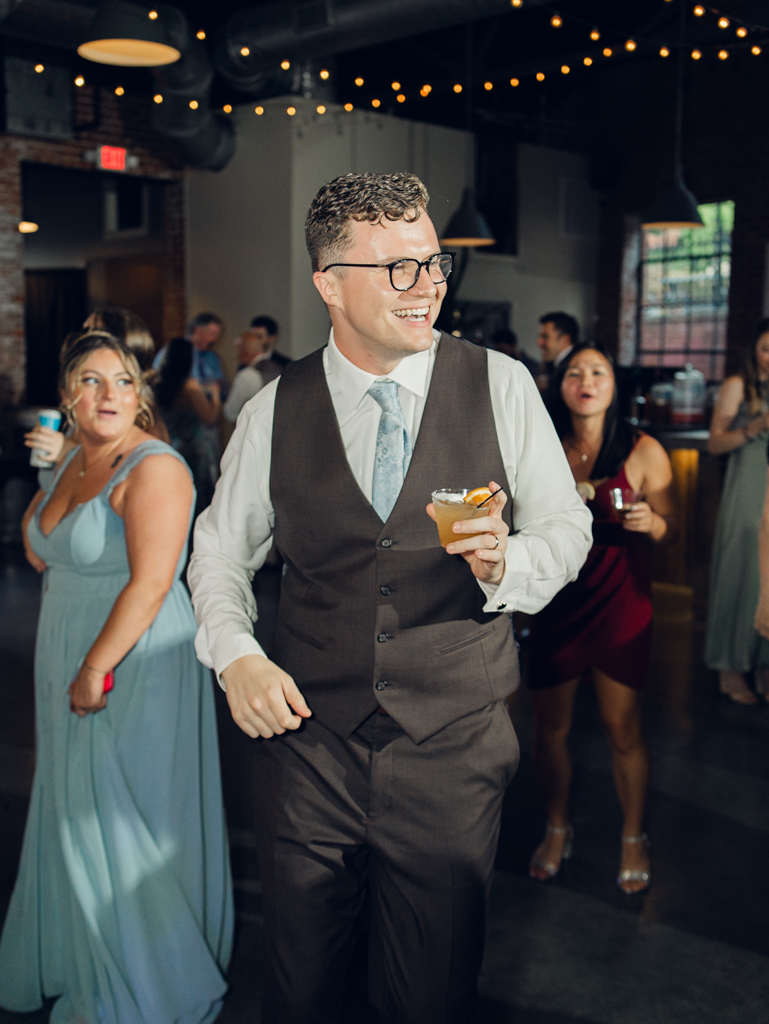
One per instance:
(188, 409)
(602, 621)
(252, 347)
(505, 340)
(558, 334)
(272, 366)
(739, 427)
(203, 333)
(122, 908)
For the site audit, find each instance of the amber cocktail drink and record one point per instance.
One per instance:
(451, 507)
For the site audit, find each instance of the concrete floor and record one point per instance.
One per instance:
(575, 951)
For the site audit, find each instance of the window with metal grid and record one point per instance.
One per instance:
(683, 293)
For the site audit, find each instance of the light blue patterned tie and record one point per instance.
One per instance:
(393, 449)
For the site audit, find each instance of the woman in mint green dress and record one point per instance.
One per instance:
(740, 428)
(122, 908)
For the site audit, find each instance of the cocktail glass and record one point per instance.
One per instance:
(450, 508)
(623, 499)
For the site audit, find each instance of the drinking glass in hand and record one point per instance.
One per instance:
(451, 507)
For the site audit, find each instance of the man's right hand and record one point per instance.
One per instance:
(261, 697)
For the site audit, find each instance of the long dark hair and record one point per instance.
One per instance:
(174, 371)
(619, 437)
(755, 389)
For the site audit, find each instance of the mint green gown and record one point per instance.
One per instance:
(123, 906)
(732, 642)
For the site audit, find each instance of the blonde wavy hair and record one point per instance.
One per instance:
(74, 355)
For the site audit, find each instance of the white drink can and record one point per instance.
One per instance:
(46, 418)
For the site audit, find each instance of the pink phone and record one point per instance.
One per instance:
(109, 680)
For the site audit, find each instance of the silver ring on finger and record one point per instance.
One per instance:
(496, 538)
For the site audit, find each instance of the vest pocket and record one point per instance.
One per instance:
(304, 637)
(474, 639)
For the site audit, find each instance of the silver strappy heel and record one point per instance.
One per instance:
(550, 869)
(635, 874)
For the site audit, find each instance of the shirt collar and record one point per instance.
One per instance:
(410, 373)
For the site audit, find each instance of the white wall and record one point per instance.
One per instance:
(245, 224)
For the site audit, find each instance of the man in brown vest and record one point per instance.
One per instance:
(384, 745)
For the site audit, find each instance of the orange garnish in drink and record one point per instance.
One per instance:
(477, 496)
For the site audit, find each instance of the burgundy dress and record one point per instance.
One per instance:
(603, 619)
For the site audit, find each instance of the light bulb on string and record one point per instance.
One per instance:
(227, 108)
(79, 81)
(120, 91)
(755, 50)
(540, 76)
(359, 81)
(595, 35)
(664, 52)
(696, 54)
(324, 74)
(152, 15)
(285, 64)
(457, 88)
(395, 86)
(699, 11)
(290, 111)
(259, 111)
(400, 98)
(244, 51)
(742, 31)
(723, 23)
(40, 68)
(201, 35)
(515, 82)
(320, 109)
(565, 69)
(587, 61)
(630, 45)
(488, 86)
(556, 21)
(157, 98)
(193, 104)
(516, 3)
(607, 51)
(723, 54)
(348, 107)
(376, 103)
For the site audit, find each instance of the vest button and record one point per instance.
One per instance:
(380, 685)
(383, 638)
(386, 542)
(385, 590)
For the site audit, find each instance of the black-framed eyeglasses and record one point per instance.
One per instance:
(404, 274)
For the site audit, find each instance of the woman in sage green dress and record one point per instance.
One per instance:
(740, 427)
(122, 909)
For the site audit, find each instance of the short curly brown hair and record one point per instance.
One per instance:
(368, 197)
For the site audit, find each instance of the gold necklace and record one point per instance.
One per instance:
(101, 458)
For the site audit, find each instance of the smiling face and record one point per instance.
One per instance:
(376, 326)
(762, 356)
(588, 384)
(104, 397)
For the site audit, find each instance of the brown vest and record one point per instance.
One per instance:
(375, 613)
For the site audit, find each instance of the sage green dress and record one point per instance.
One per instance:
(732, 642)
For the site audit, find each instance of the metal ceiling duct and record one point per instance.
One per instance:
(255, 41)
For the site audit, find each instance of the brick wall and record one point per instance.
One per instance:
(725, 154)
(123, 121)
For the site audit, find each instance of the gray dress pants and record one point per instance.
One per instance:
(414, 829)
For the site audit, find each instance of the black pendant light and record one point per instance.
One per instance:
(128, 36)
(675, 206)
(468, 229)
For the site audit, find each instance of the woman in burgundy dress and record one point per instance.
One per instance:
(602, 621)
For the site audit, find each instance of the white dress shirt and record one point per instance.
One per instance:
(232, 537)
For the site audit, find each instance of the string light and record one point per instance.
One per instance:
(120, 91)
(157, 98)
(324, 74)
(400, 98)
(227, 108)
(348, 107)
(152, 15)
(359, 81)
(201, 35)
(755, 50)
(488, 86)
(375, 103)
(515, 82)
(565, 69)
(630, 45)
(664, 52)
(723, 23)
(290, 111)
(193, 104)
(244, 51)
(696, 54)
(595, 35)
(260, 110)
(320, 109)
(556, 21)
(723, 54)
(699, 11)
(427, 89)
(587, 61)
(516, 3)
(395, 86)
(79, 81)
(457, 88)
(742, 32)
(285, 64)
(607, 51)
(540, 77)
(40, 68)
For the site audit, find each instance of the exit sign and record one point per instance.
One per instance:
(112, 158)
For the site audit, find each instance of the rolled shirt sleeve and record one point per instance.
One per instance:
(552, 527)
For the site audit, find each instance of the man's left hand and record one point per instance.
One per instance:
(485, 554)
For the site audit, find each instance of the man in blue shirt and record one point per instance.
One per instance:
(203, 333)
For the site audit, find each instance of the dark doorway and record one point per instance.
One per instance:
(56, 303)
